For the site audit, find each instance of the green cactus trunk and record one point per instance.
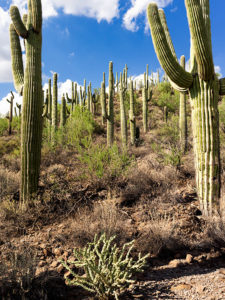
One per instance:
(183, 116)
(123, 120)
(110, 115)
(145, 110)
(55, 104)
(63, 112)
(31, 127)
(205, 119)
(10, 117)
(132, 115)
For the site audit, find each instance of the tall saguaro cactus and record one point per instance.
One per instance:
(123, 120)
(132, 115)
(31, 86)
(110, 114)
(203, 87)
(55, 104)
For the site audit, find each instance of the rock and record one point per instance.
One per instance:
(180, 287)
(40, 270)
(60, 268)
(189, 258)
(175, 263)
(54, 264)
(200, 288)
(41, 264)
(57, 251)
(222, 271)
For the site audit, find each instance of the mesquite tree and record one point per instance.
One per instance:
(203, 87)
(30, 85)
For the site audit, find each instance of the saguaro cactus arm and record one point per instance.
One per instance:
(222, 86)
(17, 22)
(36, 9)
(199, 34)
(17, 61)
(168, 62)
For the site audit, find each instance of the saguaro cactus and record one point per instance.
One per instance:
(64, 113)
(204, 89)
(132, 115)
(10, 116)
(123, 120)
(55, 104)
(31, 86)
(183, 115)
(110, 114)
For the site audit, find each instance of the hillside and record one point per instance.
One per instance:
(146, 193)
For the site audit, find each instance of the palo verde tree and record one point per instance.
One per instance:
(28, 83)
(203, 88)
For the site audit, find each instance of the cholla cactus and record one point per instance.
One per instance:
(203, 87)
(10, 116)
(107, 269)
(30, 85)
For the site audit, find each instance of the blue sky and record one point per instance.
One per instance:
(80, 38)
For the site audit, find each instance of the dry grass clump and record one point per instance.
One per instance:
(9, 182)
(17, 271)
(103, 217)
(157, 234)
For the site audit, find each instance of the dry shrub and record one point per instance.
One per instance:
(157, 234)
(105, 217)
(9, 182)
(17, 271)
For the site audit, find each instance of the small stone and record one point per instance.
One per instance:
(60, 268)
(42, 246)
(54, 264)
(180, 287)
(200, 288)
(175, 263)
(57, 251)
(189, 258)
(40, 270)
(41, 264)
(222, 271)
(66, 254)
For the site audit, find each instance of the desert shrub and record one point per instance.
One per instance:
(3, 126)
(101, 160)
(78, 131)
(167, 146)
(167, 98)
(104, 269)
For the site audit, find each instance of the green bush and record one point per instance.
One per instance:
(101, 160)
(167, 97)
(3, 126)
(103, 268)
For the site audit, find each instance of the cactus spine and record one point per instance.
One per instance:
(10, 116)
(123, 120)
(203, 87)
(31, 129)
(132, 115)
(183, 115)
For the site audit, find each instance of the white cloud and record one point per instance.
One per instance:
(218, 70)
(140, 78)
(63, 88)
(4, 105)
(5, 59)
(138, 7)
